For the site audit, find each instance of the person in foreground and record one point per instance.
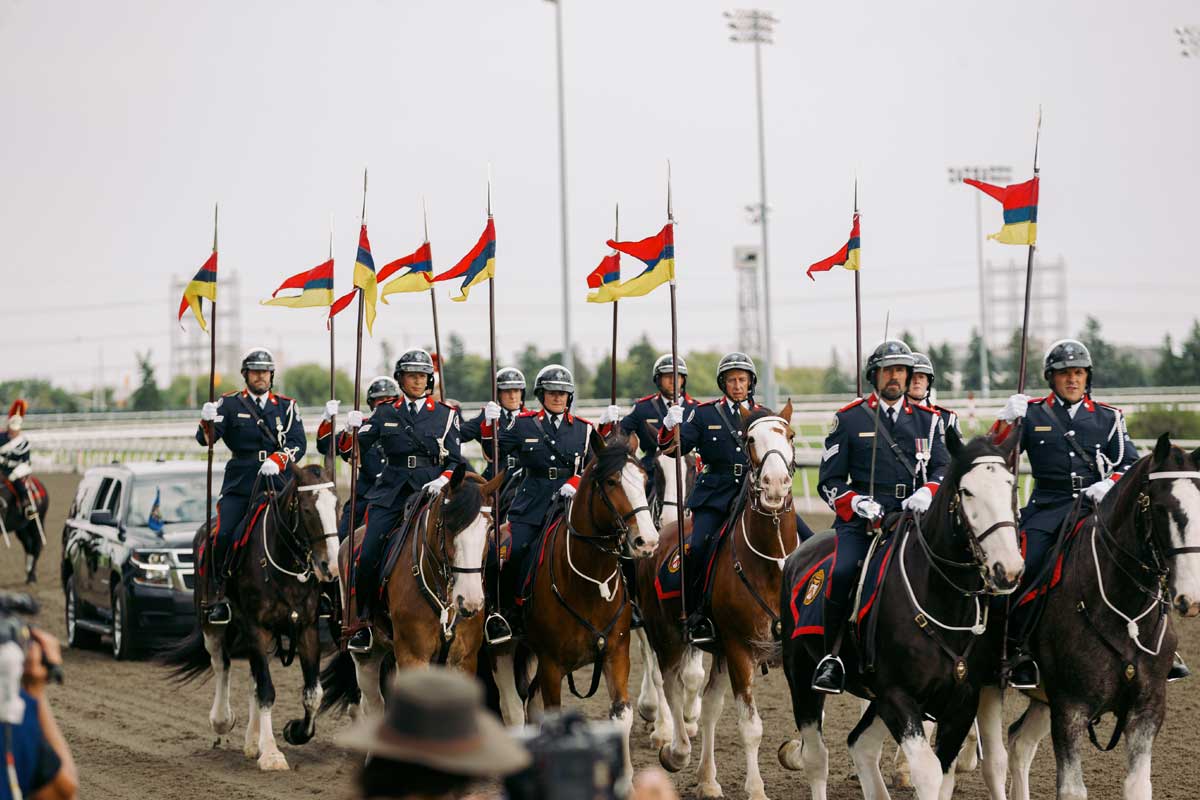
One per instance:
(38, 761)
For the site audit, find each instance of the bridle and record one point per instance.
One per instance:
(789, 463)
(300, 553)
(621, 521)
(443, 558)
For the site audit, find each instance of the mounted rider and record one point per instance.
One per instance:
(382, 389)
(907, 467)
(714, 429)
(15, 457)
(920, 391)
(419, 437)
(1078, 448)
(551, 447)
(646, 418)
(265, 435)
(510, 390)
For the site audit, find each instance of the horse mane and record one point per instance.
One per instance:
(761, 412)
(462, 507)
(611, 459)
(959, 466)
(314, 471)
(1119, 506)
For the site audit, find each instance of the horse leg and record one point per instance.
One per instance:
(1139, 739)
(693, 679)
(741, 678)
(968, 757)
(367, 668)
(990, 729)
(663, 730)
(250, 748)
(549, 684)
(676, 755)
(647, 703)
(808, 753)
(301, 731)
(952, 732)
(1067, 723)
(904, 720)
(511, 707)
(712, 703)
(269, 757)
(616, 676)
(866, 746)
(1023, 738)
(221, 716)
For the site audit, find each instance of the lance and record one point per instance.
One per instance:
(354, 431)
(495, 398)
(209, 429)
(437, 339)
(875, 435)
(616, 238)
(1029, 268)
(858, 311)
(677, 396)
(331, 456)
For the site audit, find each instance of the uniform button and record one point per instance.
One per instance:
(551, 458)
(738, 449)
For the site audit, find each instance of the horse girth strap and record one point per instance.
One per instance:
(881, 430)
(776, 624)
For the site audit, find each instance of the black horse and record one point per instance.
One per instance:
(931, 614)
(289, 547)
(30, 531)
(1104, 641)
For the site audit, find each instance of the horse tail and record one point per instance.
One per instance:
(187, 658)
(339, 681)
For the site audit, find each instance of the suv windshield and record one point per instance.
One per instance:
(180, 499)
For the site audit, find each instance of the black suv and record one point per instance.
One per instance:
(127, 569)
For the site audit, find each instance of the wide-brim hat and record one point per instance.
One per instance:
(436, 718)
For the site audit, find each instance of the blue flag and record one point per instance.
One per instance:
(155, 520)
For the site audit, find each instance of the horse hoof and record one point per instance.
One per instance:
(294, 732)
(789, 754)
(664, 758)
(659, 742)
(272, 762)
(692, 729)
(965, 765)
(250, 751)
(222, 727)
(648, 712)
(902, 780)
(709, 790)
(31, 578)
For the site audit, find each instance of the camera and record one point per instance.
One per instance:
(573, 759)
(14, 638)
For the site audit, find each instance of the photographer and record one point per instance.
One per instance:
(39, 764)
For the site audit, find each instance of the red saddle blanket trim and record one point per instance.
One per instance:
(1056, 574)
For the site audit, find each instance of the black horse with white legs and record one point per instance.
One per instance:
(931, 643)
(1104, 642)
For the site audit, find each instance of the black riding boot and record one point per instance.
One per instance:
(362, 639)
(1179, 670)
(830, 675)
(1024, 673)
(324, 602)
(629, 572)
(218, 611)
(497, 629)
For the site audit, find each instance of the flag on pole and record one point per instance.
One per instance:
(364, 276)
(847, 257)
(1020, 202)
(204, 284)
(154, 520)
(315, 285)
(657, 252)
(476, 266)
(417, 278)
(604, 279)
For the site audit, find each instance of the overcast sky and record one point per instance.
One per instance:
(125, 121)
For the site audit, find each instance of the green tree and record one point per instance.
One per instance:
(178, 394)
(1113, 367)
(1012, 363)
(1190, 362)
(702, 373)
(970, 370)
(146, 397)
(309, 384)
(41, 395)
(833, 380)
(943, 363)
(1170, 370)
(907, 337)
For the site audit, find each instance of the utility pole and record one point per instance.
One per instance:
(568, 353)
(755, 26)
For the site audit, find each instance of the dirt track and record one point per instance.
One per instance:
(134, 734)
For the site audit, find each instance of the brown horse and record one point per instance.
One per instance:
(433, 595)
(30, 531)
(578, 612)
(745, 609)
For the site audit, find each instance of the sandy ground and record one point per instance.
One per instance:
(136, 734)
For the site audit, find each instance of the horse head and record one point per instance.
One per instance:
(978, 491)
(1164, 490)
(318, 519)
(619, 480)
(770, 435)
(463, 520)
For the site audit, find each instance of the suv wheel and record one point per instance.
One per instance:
(123, 646)
(76, 636)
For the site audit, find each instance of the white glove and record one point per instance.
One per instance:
(354, 419)
(674, 417)
(610, 414)
(435, 485)
(1015, 408)
(491, 412)
(269, 468)
(331, 409)
(866, 508)
(567, 491)
(1097, 490)
(208, 412)
(919, 500)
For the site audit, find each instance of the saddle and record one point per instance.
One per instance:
(667, 584)
(531, 560)
(414, 511)
(1051, 574)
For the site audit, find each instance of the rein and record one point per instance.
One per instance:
(300, 553)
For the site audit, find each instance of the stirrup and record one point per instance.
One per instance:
(496, 629)
(700, 630)
(324, 606)
(1179, 670)
(219, 613)
(1029, 665)
(841, 668)
(359, 647)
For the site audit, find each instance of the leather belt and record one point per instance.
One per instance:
(552, 473)
(897, 490)
(1074, 484)
(252, 455)
(412, 462)
(736, 470)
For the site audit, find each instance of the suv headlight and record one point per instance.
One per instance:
(152, 567)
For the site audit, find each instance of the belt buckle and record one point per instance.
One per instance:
(511, 461)
(552, 473)
(1076, 482)
(262, 455)
(901, 491)
(412, 462)
(737, 470)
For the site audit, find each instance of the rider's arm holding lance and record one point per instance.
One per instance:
(689, 432)
(212, 418)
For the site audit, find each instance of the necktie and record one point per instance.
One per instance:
(262, 404)
(891, 416)
(412, 408)
(507, 417)
(554, 421)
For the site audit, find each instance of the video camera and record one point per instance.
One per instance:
(573, 759)
(14, 639)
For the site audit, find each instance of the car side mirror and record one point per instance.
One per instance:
(102, 516)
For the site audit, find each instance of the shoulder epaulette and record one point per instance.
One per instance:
(930, 409)
(284, 397)
(647, 398)
(527, 413)
(231, 394)
(1108, 405)
(943, 408)
(709, 402)
(1037, 400)
(851, 404)
(584, 421)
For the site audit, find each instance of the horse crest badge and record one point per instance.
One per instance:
(673, 567)
(814, 587)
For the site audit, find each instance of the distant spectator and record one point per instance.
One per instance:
(38, 758)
